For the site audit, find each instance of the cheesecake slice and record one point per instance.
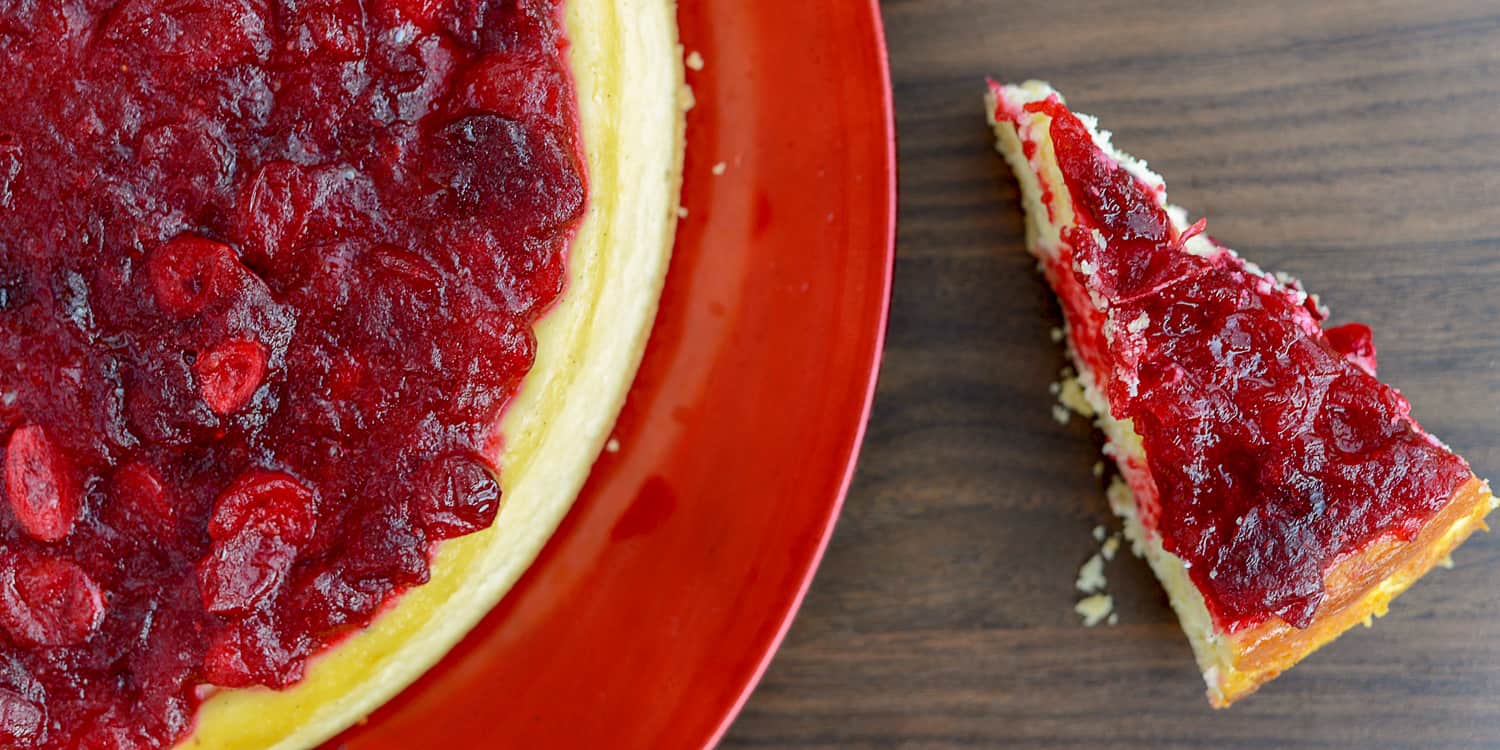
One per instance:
(1278, 489)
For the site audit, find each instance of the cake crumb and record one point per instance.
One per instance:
(682, 212)
(695, 61)
(1099, 532)
(1095, 609)
(1098, 469)
(1446, 563)
(1111, 547)
(1054, 388)
(1070, 394)
(613, 446)
(1057, 335)
(1091, 576)
(1114, 619)
(1060, 413)
(1123, 503)
(720, 168)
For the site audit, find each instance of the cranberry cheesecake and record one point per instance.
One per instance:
(314, 315)
(1278, 489)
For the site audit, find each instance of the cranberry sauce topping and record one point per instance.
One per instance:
(268, 275)
(1273, 448)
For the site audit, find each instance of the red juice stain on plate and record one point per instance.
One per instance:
(266, 283)
(651, 508)
(1273, 449)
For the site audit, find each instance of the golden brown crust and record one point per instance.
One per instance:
(1360, 586)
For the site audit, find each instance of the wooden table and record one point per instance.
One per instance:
(1355, 145)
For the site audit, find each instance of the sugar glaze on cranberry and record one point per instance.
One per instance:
(268, 276)
(1272, 452)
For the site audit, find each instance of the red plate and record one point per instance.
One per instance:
(652, 612)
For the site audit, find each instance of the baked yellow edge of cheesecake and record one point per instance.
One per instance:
(627, 66)
(1233, 665)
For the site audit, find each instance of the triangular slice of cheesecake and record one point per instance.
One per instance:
(1280, 492)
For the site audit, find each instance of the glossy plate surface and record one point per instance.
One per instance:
(654, 609)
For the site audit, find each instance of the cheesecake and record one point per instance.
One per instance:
(313, 319)
(1280, 492)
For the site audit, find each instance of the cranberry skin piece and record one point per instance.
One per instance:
(225, 664)
(189, 272)
(244, 571)
(115, 730)
(110, 737)
(266, 500)
(39, 485)
(494, 166)
(330, 601)
(273, 216)
(20, 720)
(331, 28)
(516, 88)
(1129, 267)
(257, 527)
(385, 543)
(461, 497)
(1356, 342)
(49, 601)
(141, 501)
(425, 14)
(229, 373)
(205, 35)
(253, 652)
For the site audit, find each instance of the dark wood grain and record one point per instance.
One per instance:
(1352, 144)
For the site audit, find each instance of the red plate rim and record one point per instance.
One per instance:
(888, 122)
